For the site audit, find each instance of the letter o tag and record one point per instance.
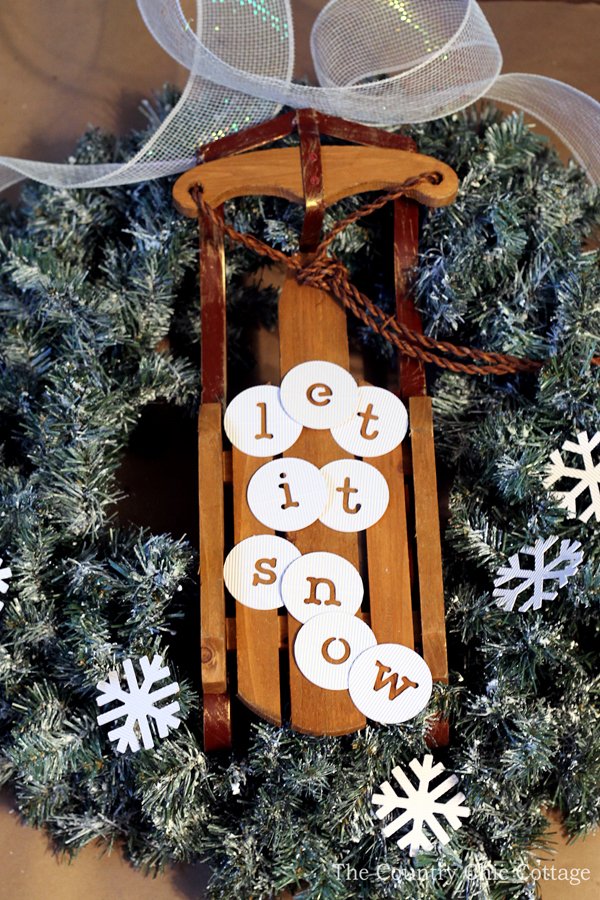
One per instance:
(390, 683)
(257, 424)
(321, 582)
(378, 426)
(358, 495)
(327, 645)
(319, 394)
(287, 494)
(254, 568)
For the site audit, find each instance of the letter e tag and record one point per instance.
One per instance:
(319, 394)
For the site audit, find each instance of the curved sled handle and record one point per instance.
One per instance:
(346, 170)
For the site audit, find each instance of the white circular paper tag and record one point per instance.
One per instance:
(358, 495)
(319, 394)
(254, 568)
(287, 494)
(390, 683)
(327, 645)
(378, 425)
(257, 424)
(321, 582)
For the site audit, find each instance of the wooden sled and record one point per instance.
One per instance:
(402, 564)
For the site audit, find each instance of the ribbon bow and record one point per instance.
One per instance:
(382, 62)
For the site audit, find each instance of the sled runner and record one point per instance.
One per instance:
(402, 562)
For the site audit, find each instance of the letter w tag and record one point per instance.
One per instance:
(392, 680)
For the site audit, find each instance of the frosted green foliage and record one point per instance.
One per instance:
(90, 283)
(496, 260)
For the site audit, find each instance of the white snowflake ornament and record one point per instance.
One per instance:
(5, 574)
(138, 704)
(587, 478)
(535, 577)
(420, 805)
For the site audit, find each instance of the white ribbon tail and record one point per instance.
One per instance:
(572, 115)
(205, 112)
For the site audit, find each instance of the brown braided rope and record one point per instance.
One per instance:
(329, 274)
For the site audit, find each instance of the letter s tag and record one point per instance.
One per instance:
(253, 570)
(269, 574)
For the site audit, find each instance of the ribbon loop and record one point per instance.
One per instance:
(379, 62)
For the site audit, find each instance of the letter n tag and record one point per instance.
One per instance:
(320, 582)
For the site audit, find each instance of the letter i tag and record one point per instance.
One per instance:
(287, 494)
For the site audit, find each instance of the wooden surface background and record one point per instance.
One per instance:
(68, 63)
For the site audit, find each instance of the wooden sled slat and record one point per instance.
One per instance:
(411, 372)
(213, 338)
(429, 553)
(257, 630)
(313, 326)
(217, 722)
(216, 707)
(212, 544)
(413, 384)
(389, 567)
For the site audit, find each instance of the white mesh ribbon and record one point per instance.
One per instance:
(382, 62)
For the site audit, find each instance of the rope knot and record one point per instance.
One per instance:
(325, 272)
(329, 274)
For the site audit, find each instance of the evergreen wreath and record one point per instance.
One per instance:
(91, 282)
